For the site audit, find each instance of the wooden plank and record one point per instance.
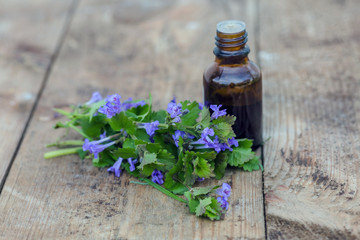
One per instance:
(29, 32)
(129, 47)
(309, 57)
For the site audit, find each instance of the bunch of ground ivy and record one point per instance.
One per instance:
(168, 149)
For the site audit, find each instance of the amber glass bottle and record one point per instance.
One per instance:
(235, 81)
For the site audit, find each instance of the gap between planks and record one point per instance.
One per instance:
(59, 44)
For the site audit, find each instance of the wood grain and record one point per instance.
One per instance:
(132, 48)
(309, 57)
(29, 32)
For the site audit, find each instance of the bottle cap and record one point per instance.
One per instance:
(231, 27)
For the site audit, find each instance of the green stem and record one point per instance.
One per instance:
(140, 183)
(61, 152)
(66, 143)
(163, 190)
(80, 132)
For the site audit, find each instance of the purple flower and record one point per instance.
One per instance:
(233, 141)
(201, 106)
(110, 109)
(182, 134)
(115, 98)
(116, 167)
(157, 177)
(129, 104)
(151, 127)
(224, 203)
(217, 112)
(200, 179)
(95, 147)
(113, 105)
(207, 132)
(132, 164)
(96, 97)
(224, 191)
(174, 110)
(103, 135)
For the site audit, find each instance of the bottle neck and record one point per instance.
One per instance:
(231, 46)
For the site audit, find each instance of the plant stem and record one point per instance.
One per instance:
(163, 190)
(61, 152)
(140, 183)
(80, 132)
(66, 143)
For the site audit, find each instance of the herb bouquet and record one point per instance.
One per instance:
(169, 150)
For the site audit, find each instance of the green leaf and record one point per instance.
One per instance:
(221, 162)
(197, 191)
(125, 153)
(202, 168)
(190, 118)
(166, 158)
(139, 113)
(148, 169)
(105, 159)
(245, 143)
(93, 128)
(189, 175)
(229, 119)
(170, 183)
(205, 118)
(129, 143)
(159, 116)
(153, 147)
(94, 107)
(224, 131)
(253, 164)
(121, 121)
(141, 134)
(214, 210)
(239, 156)
(201, 208)
(148, 159)
(192, 203)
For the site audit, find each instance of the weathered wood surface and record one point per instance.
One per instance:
(310, 60)
(133, 48)
(29, 32)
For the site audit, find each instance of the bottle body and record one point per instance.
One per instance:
(235, 82)
(239, 90)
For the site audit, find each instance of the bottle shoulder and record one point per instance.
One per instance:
(232, 73)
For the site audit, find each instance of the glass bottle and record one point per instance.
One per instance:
(234, 81)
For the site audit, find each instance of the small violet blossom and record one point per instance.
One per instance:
(129, 104)
(182, 134)
(132, 164)
(224, 193)
(157, 177)
(151, 128)
(96, 97)
(201, 106)
(103, 135)
(217, 112)
(207, 142)
(116, 167)
(113, 105)
(174, 110)
(200, 179)
(95, 147)
(223, 203)
(233, 141)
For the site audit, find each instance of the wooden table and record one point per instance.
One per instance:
(55, 53)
